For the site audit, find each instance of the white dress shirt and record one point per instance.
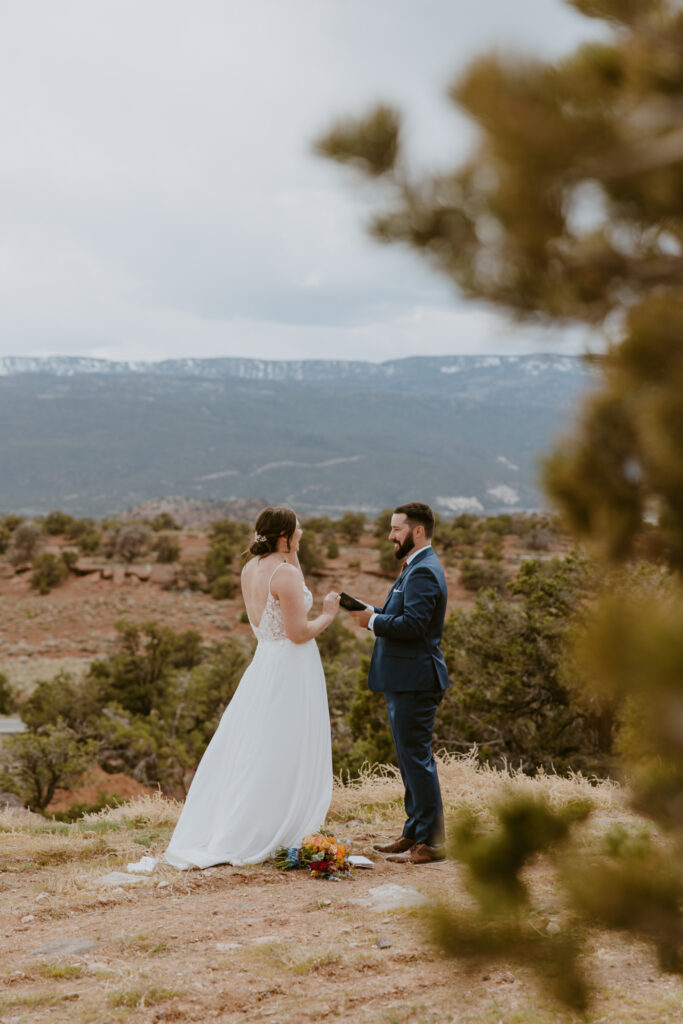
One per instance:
(408, 560)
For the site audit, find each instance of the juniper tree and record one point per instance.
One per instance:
(570, 209)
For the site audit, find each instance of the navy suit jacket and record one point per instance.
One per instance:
(408, 629)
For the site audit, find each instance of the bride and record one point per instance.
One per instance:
(265, 779)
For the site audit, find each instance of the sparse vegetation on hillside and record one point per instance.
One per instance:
(150, 709)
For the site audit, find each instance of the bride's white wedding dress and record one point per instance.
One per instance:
(265, 779)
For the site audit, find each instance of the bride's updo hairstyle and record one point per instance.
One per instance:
(271, 524)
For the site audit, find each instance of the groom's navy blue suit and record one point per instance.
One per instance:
(408, 667)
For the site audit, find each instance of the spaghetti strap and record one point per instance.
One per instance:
(271, 577)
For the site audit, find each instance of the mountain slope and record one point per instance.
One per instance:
(462, 432)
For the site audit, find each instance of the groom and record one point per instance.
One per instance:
(408, 667)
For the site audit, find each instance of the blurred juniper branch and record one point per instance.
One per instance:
(503, 928)
(570, 209)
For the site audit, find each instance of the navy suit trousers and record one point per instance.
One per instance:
(411, 718)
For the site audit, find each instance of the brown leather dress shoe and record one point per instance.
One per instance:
(398, 845)
(419, 854)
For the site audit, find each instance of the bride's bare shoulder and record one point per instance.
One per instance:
(286, 577)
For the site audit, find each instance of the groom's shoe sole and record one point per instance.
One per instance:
(420, 853)
(398, 846)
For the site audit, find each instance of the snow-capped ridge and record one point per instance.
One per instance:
(290, 370)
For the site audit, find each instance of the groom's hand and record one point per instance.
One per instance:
(362, 618)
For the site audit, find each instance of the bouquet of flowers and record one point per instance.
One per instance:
(325, 857)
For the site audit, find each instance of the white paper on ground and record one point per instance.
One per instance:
(360, 862)
(145, 864)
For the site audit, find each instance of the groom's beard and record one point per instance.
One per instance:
(405, 548)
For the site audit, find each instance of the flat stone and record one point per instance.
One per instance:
(10, 799)
(85, 566)
(383, 943)
(141, 572)
(73, 945)
(394, 897)
(117, 878)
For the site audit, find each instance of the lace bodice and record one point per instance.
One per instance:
(271, 627)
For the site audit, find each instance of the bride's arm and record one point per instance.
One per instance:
(287, 588)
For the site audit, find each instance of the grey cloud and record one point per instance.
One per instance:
(159, 191)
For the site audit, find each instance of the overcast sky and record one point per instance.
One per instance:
(160, 198)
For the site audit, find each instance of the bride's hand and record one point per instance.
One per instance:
(331, 604)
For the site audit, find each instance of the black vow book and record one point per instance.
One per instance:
(351, 603)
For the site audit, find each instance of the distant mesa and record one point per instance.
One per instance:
(227, 436)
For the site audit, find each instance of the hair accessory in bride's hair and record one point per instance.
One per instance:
(259, 538)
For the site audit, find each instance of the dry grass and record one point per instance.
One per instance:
(153, 811)
(377, 792)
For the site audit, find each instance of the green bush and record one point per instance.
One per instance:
(89, 542)
(223, 588)
(219, 559)
(69, 558)
(310, 555)
(476, 576)
(7, 698)
(492, 552)
(167, 549)
(367, 718)
(26, 540)
(33, 765)
(48, 571)
(351, 526)
(57, 523)
(10, 522)
(5, 538)
(382, 524)
(84, 533)
(128, 541)
(227, 530)
(321, 525)
(388, 563)
(511, 695)
(163, 521)
(332, 549)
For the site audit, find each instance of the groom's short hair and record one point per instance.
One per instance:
(417, 512)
